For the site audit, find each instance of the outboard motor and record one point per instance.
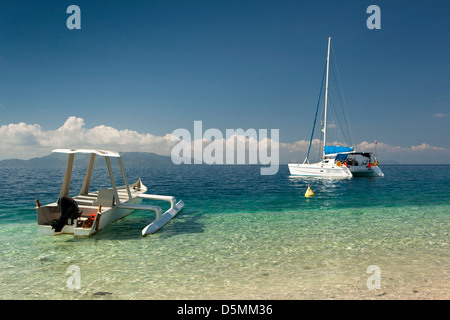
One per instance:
(69, 210)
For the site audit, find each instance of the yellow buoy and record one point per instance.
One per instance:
(309, 192)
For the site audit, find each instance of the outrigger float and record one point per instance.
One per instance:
(98, 209)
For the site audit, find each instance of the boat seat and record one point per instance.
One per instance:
(84, 202)
(86, 196)
(105, 198)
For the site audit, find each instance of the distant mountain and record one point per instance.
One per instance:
(129, 159)
(389, 162)
(143, 159)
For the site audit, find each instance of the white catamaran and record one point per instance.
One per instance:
(89, 212)
(337, 161)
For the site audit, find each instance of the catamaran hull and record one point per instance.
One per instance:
(312, 170)
(166, 217)
(363, 171)
(319, 170)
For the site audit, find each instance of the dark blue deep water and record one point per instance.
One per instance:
(227, 189)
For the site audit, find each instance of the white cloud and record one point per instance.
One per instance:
(440, 115)
(386, 148)
(300, 145)
(24, 141)
(426, 147)
(422, 153)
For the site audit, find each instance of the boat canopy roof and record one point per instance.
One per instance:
(336, 149)
(364, 154)
(103, 153)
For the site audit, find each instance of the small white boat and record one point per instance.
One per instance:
(337, 161)
(98, 209)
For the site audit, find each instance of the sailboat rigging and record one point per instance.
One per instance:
(336, 160)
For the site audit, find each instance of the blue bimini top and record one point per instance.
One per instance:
(336, 149)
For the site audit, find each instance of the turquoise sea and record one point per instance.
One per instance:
(240, 236)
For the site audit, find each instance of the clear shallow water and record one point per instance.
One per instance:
(240, 236)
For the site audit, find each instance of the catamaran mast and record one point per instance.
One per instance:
(326, 99)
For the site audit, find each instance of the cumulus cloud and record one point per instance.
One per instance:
(25, 141)
(426, 147)
(300, 145)
(30, 140)
(383, 147)
(421, 153)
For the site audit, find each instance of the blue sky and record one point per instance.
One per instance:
(155, 66)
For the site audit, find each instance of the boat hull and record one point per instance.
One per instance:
(166, 217)
(107, 216)
(319, 170)
(364, 171)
